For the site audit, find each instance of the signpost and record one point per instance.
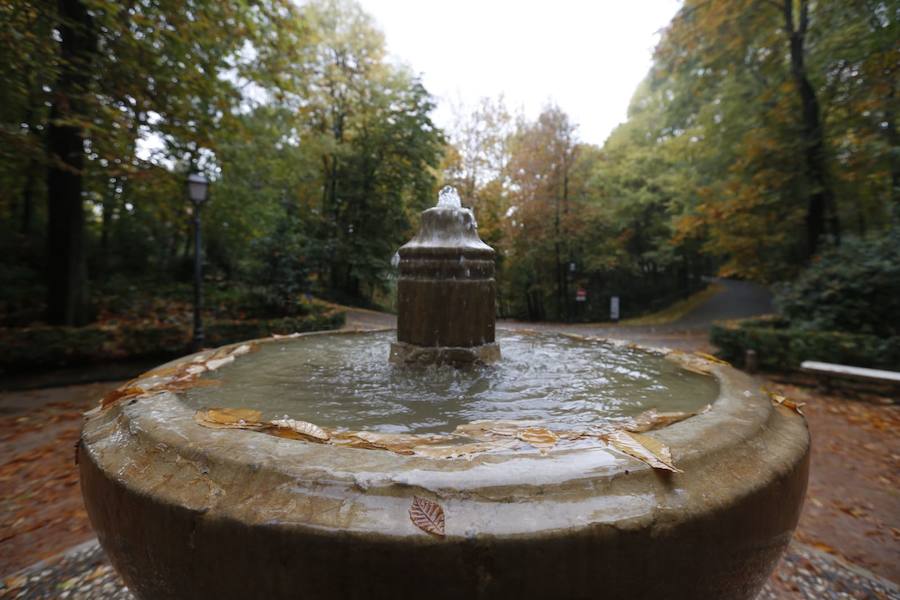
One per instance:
(614, 308)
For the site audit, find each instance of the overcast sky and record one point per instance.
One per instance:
(586, 55)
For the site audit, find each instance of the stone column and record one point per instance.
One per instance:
(446, 291)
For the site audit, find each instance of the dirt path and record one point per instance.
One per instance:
(41, 512)
(852, 507)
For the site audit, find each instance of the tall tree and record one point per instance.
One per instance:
(66, 273)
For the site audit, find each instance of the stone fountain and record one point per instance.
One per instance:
(310, 466)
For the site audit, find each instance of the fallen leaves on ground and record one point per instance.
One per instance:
(427, 515)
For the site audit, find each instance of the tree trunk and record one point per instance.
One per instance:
(820, 201)
(66, 268)
(28, 200)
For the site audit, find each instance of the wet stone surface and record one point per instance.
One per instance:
(804, 573)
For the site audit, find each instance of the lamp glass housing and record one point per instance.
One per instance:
(198, 186)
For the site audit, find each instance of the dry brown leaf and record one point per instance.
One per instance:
(291, 428)
(690, 362)
(489, 430)
(401, 443)
(467, 451)
(539, 437)
(215, 363)
(644, 448)
(126, 391)
(427, 515)
(713, 359)
(650, 420)
(185, 383)
(229, 418)
(787, 402)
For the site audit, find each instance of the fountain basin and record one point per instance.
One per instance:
(185, 511)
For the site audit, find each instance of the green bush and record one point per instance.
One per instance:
(48, 347)
(781, 347)
(854, 288)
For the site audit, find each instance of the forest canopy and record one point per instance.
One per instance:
(763, 136)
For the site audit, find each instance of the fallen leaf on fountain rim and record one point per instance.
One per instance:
(427, 515)
(401, 443)
(646, 449)
(485, 429)
(229, 418)
(713, 359)
(291, 427)
(466, 451)
(650, 420)
(539, 437)
(215, 363)
(117, 394)
(780, 400)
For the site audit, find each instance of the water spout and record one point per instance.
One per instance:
(449, 197)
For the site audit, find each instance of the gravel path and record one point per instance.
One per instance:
(83, 573)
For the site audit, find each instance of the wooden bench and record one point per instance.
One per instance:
(833, 371)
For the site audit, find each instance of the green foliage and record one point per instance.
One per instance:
(853, 288)
(319, 150)
(47, 347)
(281, 270)
(780, 347)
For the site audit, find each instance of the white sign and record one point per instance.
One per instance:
(614, 308)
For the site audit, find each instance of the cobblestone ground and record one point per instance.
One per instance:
(804, 573)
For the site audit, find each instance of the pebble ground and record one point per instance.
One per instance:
(83, 573)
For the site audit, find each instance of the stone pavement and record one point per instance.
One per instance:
(83, 573)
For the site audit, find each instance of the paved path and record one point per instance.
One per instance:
(735, 300)
(84, 573)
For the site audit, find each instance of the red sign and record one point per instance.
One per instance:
(581, 295)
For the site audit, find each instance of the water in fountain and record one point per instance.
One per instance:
(345, 381)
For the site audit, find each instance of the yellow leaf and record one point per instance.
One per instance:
(778, 399)
(713, 359)
(485, 429)
(539, 437)
(467, 451)
(644, 448)
(427, 515)
(229, 418)
(291, 428)
(650, 419)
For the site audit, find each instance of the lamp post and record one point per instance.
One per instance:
(198, 187)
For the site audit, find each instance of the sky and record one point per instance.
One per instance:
(587, 56)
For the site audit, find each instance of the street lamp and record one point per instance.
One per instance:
(198, 187)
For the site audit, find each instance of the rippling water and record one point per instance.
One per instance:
(346, 381)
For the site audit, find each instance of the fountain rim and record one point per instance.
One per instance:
(136, 443)
(740, 402)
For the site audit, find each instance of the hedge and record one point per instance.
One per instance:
(48, 347)
(782, 347)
